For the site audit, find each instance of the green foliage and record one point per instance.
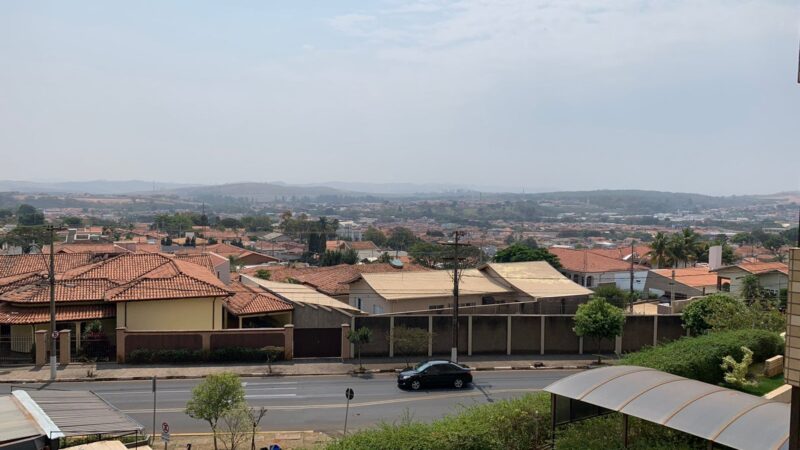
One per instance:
(599, 319)
(738, 316)
(698, 357)
(230, 222)
(336, 257)
(256, 223)
(616, 296)
(605, 433)
(520, 252)
(401, 239)
(72, 221)
(183, 356)
(695, 316)
(409, 341)
(736, 372)
(751, 290)
(359, 337)
(519, 424)
(263, 274)
(175, 224)
(375, 235)
(27, 215)
(435, 255)
(216, 395)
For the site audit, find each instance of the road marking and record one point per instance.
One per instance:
(181, 391)
(356, 405)
(270, 396)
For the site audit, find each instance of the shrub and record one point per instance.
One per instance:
(736, 372)
(700, 357)
(522, 423)
(605, 433)
(600, 320)
(696, 315)
(229, 354)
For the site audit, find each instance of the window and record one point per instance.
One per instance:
(377, 309)
(488, 300)
(358, 303)
(436, 307)
(589, 280)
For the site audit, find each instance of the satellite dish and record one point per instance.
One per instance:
(396, 263)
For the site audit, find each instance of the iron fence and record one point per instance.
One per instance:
(16, 350)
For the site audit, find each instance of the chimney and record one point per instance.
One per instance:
(715, 257)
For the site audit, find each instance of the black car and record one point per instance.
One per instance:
(434, 374)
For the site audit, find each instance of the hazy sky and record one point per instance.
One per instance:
(683, 95)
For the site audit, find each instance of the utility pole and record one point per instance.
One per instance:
(631, 299)
(52, 305)
(456, 261)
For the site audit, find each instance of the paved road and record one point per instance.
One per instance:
(316, 402)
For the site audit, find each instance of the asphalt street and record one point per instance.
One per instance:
(315, 402)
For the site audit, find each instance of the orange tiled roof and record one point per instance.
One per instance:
(622, 252)
(587, 261)
(763, 267)
(246, 301)
(201, 259)
(127, 277)
(691, 276)
(66, 291)
(11, 265)
(94, 247)
(12, 315)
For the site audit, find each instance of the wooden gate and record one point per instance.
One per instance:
(317, 342)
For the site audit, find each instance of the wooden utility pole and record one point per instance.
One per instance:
(631, 300)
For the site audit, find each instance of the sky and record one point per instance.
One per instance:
(680, 95)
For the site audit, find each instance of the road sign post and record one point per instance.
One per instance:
(165, 434)
(153, 437)
(349, 394)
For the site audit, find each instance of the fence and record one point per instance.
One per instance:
(15, 350)
(204, 340)
(515, 334)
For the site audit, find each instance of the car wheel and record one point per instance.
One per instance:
(415, 385)
(458, 383)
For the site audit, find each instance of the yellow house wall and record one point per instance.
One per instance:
(171, 315)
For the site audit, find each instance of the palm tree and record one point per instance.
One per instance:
(658, 250)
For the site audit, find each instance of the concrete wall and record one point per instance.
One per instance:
(308, 316)
(490, 334)
(171, 315)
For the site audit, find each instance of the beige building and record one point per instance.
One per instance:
(772, 276)
(382, 293)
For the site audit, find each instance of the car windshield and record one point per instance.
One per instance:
(423, 365)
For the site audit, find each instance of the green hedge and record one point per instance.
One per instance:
(522, 423)
(699, 358)
(230, 354)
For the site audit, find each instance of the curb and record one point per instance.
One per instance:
(270, 375)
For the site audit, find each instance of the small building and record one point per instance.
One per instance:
(772, 276)
(591, 269)
(688, 282)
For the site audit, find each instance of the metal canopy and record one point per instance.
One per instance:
(718, 414)
(75, 413)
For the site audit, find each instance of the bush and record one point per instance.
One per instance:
(695, 316)
(699, 358)
(229, 354)
(522, 423)
(517, 424)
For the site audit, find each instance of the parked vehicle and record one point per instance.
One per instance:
(435, 374)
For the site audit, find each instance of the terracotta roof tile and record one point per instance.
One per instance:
(691, 276)
(11, 315)
(11, 265)
(125, 268)
(762, 267)
(587, 261)
(246, 301)
(201, 259)
(66, 291)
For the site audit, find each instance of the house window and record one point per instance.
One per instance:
(488, 300)
(436, 307)
(377, 309)
(358, 303)
(589, 280)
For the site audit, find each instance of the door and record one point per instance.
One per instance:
(317, 342)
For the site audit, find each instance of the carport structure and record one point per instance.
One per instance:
(714, 413)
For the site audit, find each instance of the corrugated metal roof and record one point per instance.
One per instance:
(78, 413)
(299, 293)
(537, 279)
(433, 284)
(720, 415)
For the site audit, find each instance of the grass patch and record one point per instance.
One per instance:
(764, 385)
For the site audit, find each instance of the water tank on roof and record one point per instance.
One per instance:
(396, 263)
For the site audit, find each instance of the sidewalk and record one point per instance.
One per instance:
(324, 366)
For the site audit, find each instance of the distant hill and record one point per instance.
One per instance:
(101, 187)
(260, 191)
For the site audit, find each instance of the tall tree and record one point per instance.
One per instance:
(401, 238)
(520, 252)
(659, 251)
(27, 215)
(375, 235)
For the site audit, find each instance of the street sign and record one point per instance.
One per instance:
(349, 394)
(165, 432)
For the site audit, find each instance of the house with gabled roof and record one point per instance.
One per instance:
(772, 276)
